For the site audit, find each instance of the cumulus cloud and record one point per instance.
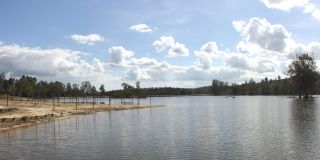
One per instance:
(312, 10)
(137, 74)
(19, 60)
(89, 39)
(259, 32)
(176, 49)
(265, 65)
(239, 25)
(143, 61)
(268, 47)
(141, 28)
(163, 43)
(119, 54)
(206, 53)
(239, 62)
(287, 5)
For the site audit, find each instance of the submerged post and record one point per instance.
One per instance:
(109, 103)
(93, 101)
(149, 97)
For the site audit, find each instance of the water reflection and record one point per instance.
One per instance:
(304, 123)
(189, 128)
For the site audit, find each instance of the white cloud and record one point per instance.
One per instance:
(52, 64)
(206, 53)
(119, 54)
(268, 47)
(176, 49)
(163, 43)
(239, 62)
(144, 61)
(210, 48)
(87, 39)
(265, 65)
(141, 28)
(259, 32)
(239, 25)
(313, 10)
(137, 74)
(287, 5)
(204, 60)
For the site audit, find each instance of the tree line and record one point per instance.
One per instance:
(303, 79)
(30, 87)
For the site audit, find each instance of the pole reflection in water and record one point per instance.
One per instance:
(110, 123)
(213, 127)
(77, 123)
(54, 130)
(36, 134)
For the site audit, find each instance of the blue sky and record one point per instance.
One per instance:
(111, 42)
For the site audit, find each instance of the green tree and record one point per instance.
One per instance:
(2, 79)
(138, 91)
(102, 90)
(85, 89)
(127, 89)
(303, 73)
(68, 90)
(43, 89)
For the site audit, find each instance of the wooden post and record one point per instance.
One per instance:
(93, 100)
(52, 99)
(76, 103)
(109, 103)
(149, 97)
(52, 103)
(7, 100)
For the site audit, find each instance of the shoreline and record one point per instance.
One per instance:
(19, 116)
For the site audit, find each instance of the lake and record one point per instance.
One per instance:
(191, 127)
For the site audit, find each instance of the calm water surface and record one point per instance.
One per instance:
(258, 127)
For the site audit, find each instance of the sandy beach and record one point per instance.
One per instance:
(25, 113)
